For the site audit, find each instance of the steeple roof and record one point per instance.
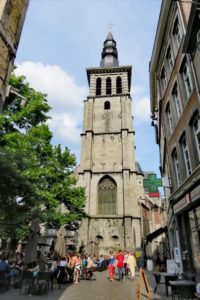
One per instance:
(110, 36)
(109, 54)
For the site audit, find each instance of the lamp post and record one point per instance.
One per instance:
(12, 90)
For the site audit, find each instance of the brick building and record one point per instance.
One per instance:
(153, 218)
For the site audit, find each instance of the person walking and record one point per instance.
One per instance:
(111, 266)
(126, 255)
(120, 265)
(131, 263)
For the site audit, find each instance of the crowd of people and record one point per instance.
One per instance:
(71, 268)
(13, 266)
(121, 264)
(75, 266)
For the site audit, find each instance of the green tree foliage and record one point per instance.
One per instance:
(35, 177)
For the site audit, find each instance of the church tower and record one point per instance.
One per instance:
(108, 170)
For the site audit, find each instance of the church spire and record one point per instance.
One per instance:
(109, 54)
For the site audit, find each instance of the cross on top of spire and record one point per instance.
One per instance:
(110, 26)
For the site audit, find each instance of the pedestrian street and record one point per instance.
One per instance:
(99, 289)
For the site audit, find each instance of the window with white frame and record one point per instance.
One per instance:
(169, 118)
(170, 60)
(187, 81)
(186, 155)
(196, 130)
(176, 166)
(163, 79)
(176, 98)
(177, 33)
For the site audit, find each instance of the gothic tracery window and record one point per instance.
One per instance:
(107, 193)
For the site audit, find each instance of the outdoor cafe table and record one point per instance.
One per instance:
(185, 288)
(167, 278)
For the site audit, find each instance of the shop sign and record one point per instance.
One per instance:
(185, 201)
(195, 194)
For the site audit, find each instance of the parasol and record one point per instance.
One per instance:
(60, 250)
(31, 247)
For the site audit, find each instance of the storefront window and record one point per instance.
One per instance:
(194, 220)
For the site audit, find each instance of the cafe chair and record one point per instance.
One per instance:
(27, 282)
(157, 277)
(61, 276)
(186, 293)
(175, 293)
(43, 283)
(4, 281)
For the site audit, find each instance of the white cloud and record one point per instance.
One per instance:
(65, 127)
(141, 109)
(66, 99)
(141, 104)
(64, 96)
(62, 90)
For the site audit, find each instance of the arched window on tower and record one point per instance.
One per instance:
(107, 105)
(119, 85)
(98, 86)
(107, 196)
(108, 86)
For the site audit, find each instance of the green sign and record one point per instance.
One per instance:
(152, 183)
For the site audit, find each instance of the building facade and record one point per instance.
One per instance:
(154, 217)
(175, 111)
(108, 170)
(12, 16)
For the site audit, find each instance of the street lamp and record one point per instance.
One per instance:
(12, 90)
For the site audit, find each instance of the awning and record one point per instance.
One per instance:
(155, 234)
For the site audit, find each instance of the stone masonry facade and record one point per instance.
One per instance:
(108, 154)
(12, 16)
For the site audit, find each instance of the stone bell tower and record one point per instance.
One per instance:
(108, 170)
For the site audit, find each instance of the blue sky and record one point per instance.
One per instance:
(61, 38)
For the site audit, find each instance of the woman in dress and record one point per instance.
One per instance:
(131, 263)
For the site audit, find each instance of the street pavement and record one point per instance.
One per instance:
(99, 289)
(103, 289)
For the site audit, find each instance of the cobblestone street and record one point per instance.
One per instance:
(101, 289)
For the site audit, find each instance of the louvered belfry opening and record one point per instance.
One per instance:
(119, 85)
(98, 86)
(108, 86)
